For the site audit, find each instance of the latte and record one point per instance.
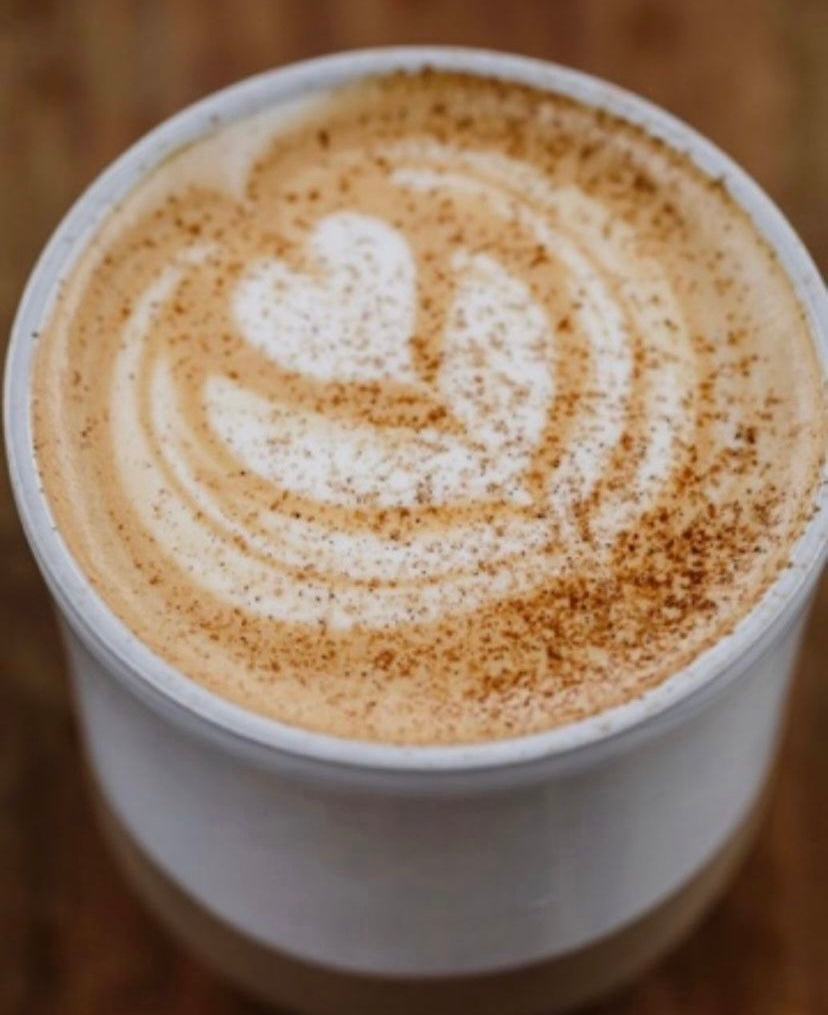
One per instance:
(433, 409)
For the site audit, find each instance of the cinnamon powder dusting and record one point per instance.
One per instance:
(433, 410)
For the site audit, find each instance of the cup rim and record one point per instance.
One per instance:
(151, 676)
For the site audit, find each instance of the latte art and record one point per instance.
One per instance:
(349, 318)
(451, 410)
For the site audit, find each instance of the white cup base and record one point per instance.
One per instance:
(557, 985)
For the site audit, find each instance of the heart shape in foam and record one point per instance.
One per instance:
(351, 326)
(354, 325)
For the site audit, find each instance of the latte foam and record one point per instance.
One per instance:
(432, 409)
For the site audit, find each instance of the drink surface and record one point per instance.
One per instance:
(433, 409)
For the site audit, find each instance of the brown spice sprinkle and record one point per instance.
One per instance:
(709, 457)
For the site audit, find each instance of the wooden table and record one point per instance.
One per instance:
(79, 80)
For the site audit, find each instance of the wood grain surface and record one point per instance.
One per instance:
(81, 79)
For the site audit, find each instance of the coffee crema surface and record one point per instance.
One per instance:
(433, 409)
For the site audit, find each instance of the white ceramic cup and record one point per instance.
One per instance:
(421, 863)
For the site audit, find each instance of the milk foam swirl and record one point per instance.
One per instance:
(400, 371)
(352, 321)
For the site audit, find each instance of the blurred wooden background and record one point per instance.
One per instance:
(81, 79)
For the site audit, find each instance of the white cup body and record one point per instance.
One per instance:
(463, 874)
(418, 862)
